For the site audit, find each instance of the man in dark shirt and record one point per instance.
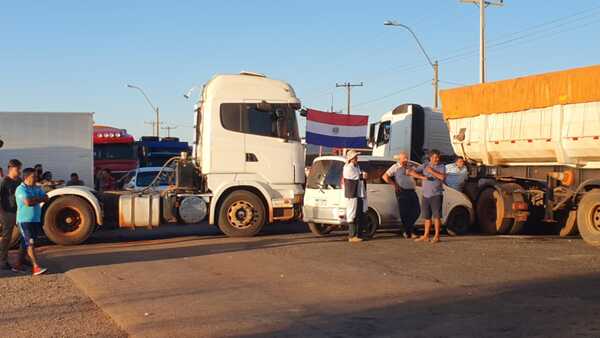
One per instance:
(8, 209)
(74, 180)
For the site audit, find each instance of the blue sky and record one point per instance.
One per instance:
(79, 55)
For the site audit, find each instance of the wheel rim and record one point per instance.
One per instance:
(68, 220)
(596, 217)
(241, 214)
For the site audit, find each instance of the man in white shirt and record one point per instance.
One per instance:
(456, 174)
(355, 193)
(400, 176)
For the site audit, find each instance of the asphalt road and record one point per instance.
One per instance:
(193, 282)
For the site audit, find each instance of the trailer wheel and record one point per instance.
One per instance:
(68, 220)
(490, 213)
(320, 229)
(588, 217)
(569, 227)
(14, 238)
(242, 214)
(458, 222)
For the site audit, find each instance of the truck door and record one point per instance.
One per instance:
(272, 144)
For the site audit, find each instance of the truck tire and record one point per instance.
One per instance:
(569, 226)
(14, 238)
(242, 214)
(490, 213)
(69, 220)
(588, 217)
(458, 222)
(371, 224)
(320, 229)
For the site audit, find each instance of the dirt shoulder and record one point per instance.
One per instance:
(50, 306)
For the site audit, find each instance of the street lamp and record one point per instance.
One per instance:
(433, 64)
(154, 109)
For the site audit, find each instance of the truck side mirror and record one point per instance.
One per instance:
(1, 143)
(371, 137)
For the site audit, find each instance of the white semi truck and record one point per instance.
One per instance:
(534, 146)
(410, 128)
(247, 169)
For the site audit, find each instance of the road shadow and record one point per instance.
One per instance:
(566, 307)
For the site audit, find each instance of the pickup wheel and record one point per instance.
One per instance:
(68, 220)
(588, 217)
(242, 214)
(371, 224)
(320, 229)
(458, 222)
(14, 237)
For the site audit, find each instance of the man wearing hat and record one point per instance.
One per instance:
(400, 176)
(355, 191)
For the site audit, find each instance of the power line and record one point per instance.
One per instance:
(391, 94)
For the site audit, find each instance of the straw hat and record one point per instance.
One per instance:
(351, 154)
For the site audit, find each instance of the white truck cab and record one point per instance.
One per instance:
(410, 128)
(249, 151)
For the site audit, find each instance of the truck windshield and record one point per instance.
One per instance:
(114, 152)
(279, 120)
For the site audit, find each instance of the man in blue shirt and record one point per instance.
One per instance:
(456, 174)
(29, 196)
(433, 174)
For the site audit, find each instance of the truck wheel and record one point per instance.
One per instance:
(14, 238)
(569, 227)
(588, 217)
(458, 222)
(68, 220)
(490, 213)
(242, 214)
(320, 229)
(371, 224)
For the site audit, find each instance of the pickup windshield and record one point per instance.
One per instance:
(325, 174)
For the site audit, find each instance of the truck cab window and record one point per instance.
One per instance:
(277, 120)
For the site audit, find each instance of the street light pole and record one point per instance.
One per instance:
(482, 6)
(154, 108)
(433, 64)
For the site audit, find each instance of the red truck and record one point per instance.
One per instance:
(114, 149)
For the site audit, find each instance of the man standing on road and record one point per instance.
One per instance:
(456, 174)
(355, 191)
(400, 176)
(8, 209)
(29, 196)
(433, 175)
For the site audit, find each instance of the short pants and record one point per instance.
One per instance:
(432, 207)
(29, 233)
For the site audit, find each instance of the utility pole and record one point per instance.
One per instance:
(348, 87)
(154, 108)
(434, 64)
(482, 6)
(155, 127)
(168, 129)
